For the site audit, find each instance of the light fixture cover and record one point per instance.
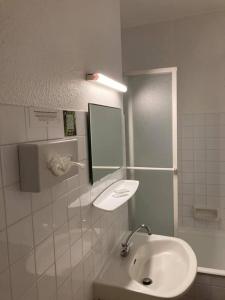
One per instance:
(104, 80)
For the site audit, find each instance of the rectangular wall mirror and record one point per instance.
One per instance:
(105, 140)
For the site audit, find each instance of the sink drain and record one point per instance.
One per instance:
(147, 281)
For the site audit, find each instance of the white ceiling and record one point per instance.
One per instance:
(140, 12)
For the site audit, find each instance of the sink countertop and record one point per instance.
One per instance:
(171, 259)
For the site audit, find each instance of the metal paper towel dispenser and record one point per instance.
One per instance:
(44, 164)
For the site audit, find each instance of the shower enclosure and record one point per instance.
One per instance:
(151, 125)
(189, 203)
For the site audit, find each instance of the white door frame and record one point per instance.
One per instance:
(173, 71)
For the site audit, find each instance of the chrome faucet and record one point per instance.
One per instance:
(126, 245)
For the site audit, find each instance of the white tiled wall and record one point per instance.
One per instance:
(201, 153)
(201, 158)
(52, 244)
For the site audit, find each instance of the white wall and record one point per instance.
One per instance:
(49, 249)
(195, 45)
(54, 243)
(47, 46)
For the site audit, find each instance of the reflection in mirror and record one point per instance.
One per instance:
(105, 140)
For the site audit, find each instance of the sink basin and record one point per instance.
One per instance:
(168, 262)
(166, 265)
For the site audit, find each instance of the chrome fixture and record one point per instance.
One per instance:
(126, 245)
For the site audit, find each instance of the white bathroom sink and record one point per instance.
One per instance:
(168, 262)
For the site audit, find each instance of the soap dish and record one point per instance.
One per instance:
(116, 195)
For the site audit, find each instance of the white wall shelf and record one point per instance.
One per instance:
(116, 195)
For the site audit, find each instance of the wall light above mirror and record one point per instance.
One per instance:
(104, 80)
(105, 140)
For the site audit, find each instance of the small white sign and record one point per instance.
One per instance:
(39, 117)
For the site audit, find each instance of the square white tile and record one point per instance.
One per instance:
(88, 263)
(213, 178)
(10, 164)
(188, 178)
(187, 155)
(98, 257)
(200, 200)
(76, 253)
(75, 229)
(187, 143)
(47, 284)
(42, 199)
(199, 132)
(212, 131)
(44, 255)
(2, 210)
(188, 188)
(43, 223)
(187, 166)
(31, 294)
(73, 182)
(188, 221)
(1, 179)
(87, 241)
(77, 277)
(88, 287)
(3, 251)
(187, 120)
(187, 132)
(79, 295)
(65, 290)
(18, 204)
(199, 155)
(23, 276)
(63, 268)
(20, 238)
(60, 215)
(199, 119)
(213, 143)
(74, 207)
(213, 202)
(200, 189)
(61, 240)
(97, 230)
(200, 178)
(5, 293)
(199, 143)
(213, 155)
(187, 211)
(82, 148)
(212, 119)
(86, 217)
(200, 166)
(84, 174)
(59, 190)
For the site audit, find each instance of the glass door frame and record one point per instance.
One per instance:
(173, 72)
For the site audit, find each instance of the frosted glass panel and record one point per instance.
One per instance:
(151, 97)
(153, 202)
(148, 107)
